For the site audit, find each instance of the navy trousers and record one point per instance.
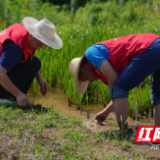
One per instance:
(22, 76)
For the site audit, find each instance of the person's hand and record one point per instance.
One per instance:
(43, 85)
(100, 117)
(22, 100)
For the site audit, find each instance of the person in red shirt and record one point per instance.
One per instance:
(18, 66)
(121, 63)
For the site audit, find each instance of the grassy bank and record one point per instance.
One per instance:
(41, 133)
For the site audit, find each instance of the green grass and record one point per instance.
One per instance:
(42, 133)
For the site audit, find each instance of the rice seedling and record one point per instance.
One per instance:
(79, 100)
(105, 95)
(77, 39)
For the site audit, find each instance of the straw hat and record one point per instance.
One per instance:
(74, 68)
(44, 31)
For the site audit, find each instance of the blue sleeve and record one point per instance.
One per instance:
(11, 55)
(96, 54)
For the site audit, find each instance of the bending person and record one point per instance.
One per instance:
(122, 63)
(18, 66)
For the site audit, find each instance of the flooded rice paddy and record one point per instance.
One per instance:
(56, 98)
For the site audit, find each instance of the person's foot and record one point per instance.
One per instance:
(12, 99)
(5, 101)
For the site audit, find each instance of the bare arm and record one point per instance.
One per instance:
(42, 83)
(22, 99)
(104, 113)
(108, 109)
(108, 72)
(111, 76)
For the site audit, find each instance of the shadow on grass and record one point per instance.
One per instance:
(116, 135)
(32, 108)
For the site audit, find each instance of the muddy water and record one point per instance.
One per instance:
(55, 97)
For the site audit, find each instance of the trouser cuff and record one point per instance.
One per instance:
(118, 93)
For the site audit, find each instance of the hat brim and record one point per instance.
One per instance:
(81, 86)
(55, 42)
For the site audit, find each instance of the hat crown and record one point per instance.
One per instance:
(46, 28)
(44, 31)
(73, 66)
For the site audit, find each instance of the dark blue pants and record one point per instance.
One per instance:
(22, 76)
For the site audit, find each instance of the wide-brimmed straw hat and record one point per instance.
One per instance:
(74, 67)
(44, 31)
